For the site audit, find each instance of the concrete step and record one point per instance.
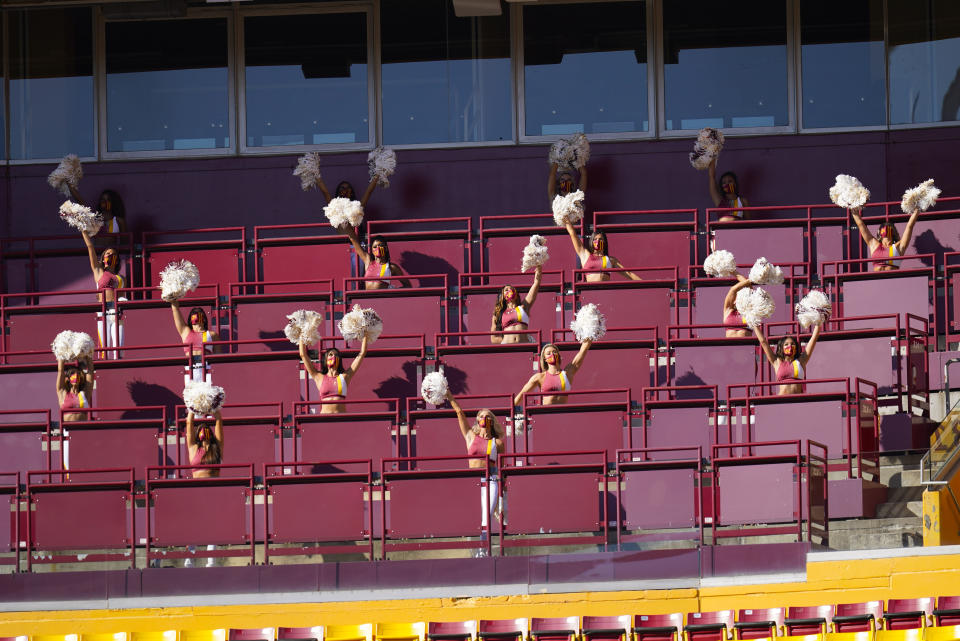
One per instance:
(900, 509)
(871, 534)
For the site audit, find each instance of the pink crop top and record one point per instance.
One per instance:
(884, 252)
(375, 269)
(73, 401)
(194, 341)
(597, 263)
(555, 382)
(333, 387)
(514, 316)
(733, 320)
(480, 446)
(197, 457)
(790, 371)
(109, 280)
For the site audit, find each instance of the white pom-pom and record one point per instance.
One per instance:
(568, 209)
(706, 148)
(720, 264)
(178, 278)
(308, 170)
(202, 398)
(535, 253)
(382, 163)
(580, 153)
(848, 192)
(358, 323)
(765, 273)
(81, 218)
(813, 309)
(434, 387)
(304, 326)
(922, 197)
(343, 211)
(754, 305)
(67, 174)
(561, 154)
(589, 324)
(72, 346)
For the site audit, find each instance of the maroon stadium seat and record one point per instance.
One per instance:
(759, 624)
(502, 239)
(605, 628)
(858, 617)
(554, 628)
(948, 610)
(589, 421)
(806, 620)
(905, 614)
(658, 627)
(681, 417)
(451, 630)
(435, 432)
(370, 429)
(219, 254)
(294, 252)
(709, 626)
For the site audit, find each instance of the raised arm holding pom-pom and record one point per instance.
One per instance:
(205, 446)
(332, 380)
(726, 193)
(789, 363)
(732, 321)
(111, 208)
(376, 262)
(75, 388)
(889, 244)
(595, 260)
(345, 190)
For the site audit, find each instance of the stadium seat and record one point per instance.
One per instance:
(219, 254)
(758, 624)
(605, 628)
(658, 627)
(502, 629)
(435, 432)
(947, 612)
(267, 377)
(629, 303)
(718, 362)
(807, 620)
(401, 631)
(866, 616)
(502, 239)
(135, 436)
(709, 626)
(554, 628)
(259, 310)
(219, 634)
(369, 429)
(251, 634)
(254, 431)
(484, 369)
(362, 632)
(785, 242)
(106, 636)
(451, 630)
(651, 238)
(684, 416)
(850, 353)
(314, 633)
(905, 614)
(420, 309)
(908, 634)
(154, 635)
(623, 357)
(25, 441)
(942, 633)
(850, 636)
(427, 245)
(55, 637)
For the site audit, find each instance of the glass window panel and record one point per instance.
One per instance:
(167, 85)
(302, 89)
(444, 78)
(585, 68)
(3, 102)
(724, 66)
(51, 83)
(842, 63)
(924, 59)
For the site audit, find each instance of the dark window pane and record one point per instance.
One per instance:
(444, 78)
(585, 68)
(51, 83)
(167, 85)
(302, 89)
(924, 60)
(725, 65)
(842, 63)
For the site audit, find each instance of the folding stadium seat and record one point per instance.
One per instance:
(502, 239)
(19, 638)
(54, 637)
(858, 617)
(807, 620)
(947, 611)
(314, 633)
(758, 624)
(658, 627)
(219, 254)
(651, 238)
(106, 636)
(401, 631)
(709, 626)
(361, 632)
(219, 634)
(554, 628)
(608, 628)
(451, 630)
(483, 369)
(905, 614)
(287, 252)
(502, 630)
(942, 633)
(251, 634)
(563, 428)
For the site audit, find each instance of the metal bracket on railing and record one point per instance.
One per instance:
(946, 383)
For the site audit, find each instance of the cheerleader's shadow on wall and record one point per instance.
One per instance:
(419, 263)
(928, 243)
(143, 393)
(406, 386)
(691, 378)
(276, 346)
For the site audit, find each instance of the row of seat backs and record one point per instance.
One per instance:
(721, 625)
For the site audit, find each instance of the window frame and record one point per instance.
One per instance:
(791, 44)
(239, 96)
(520, 107)
(95, 18)
(100, 84)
